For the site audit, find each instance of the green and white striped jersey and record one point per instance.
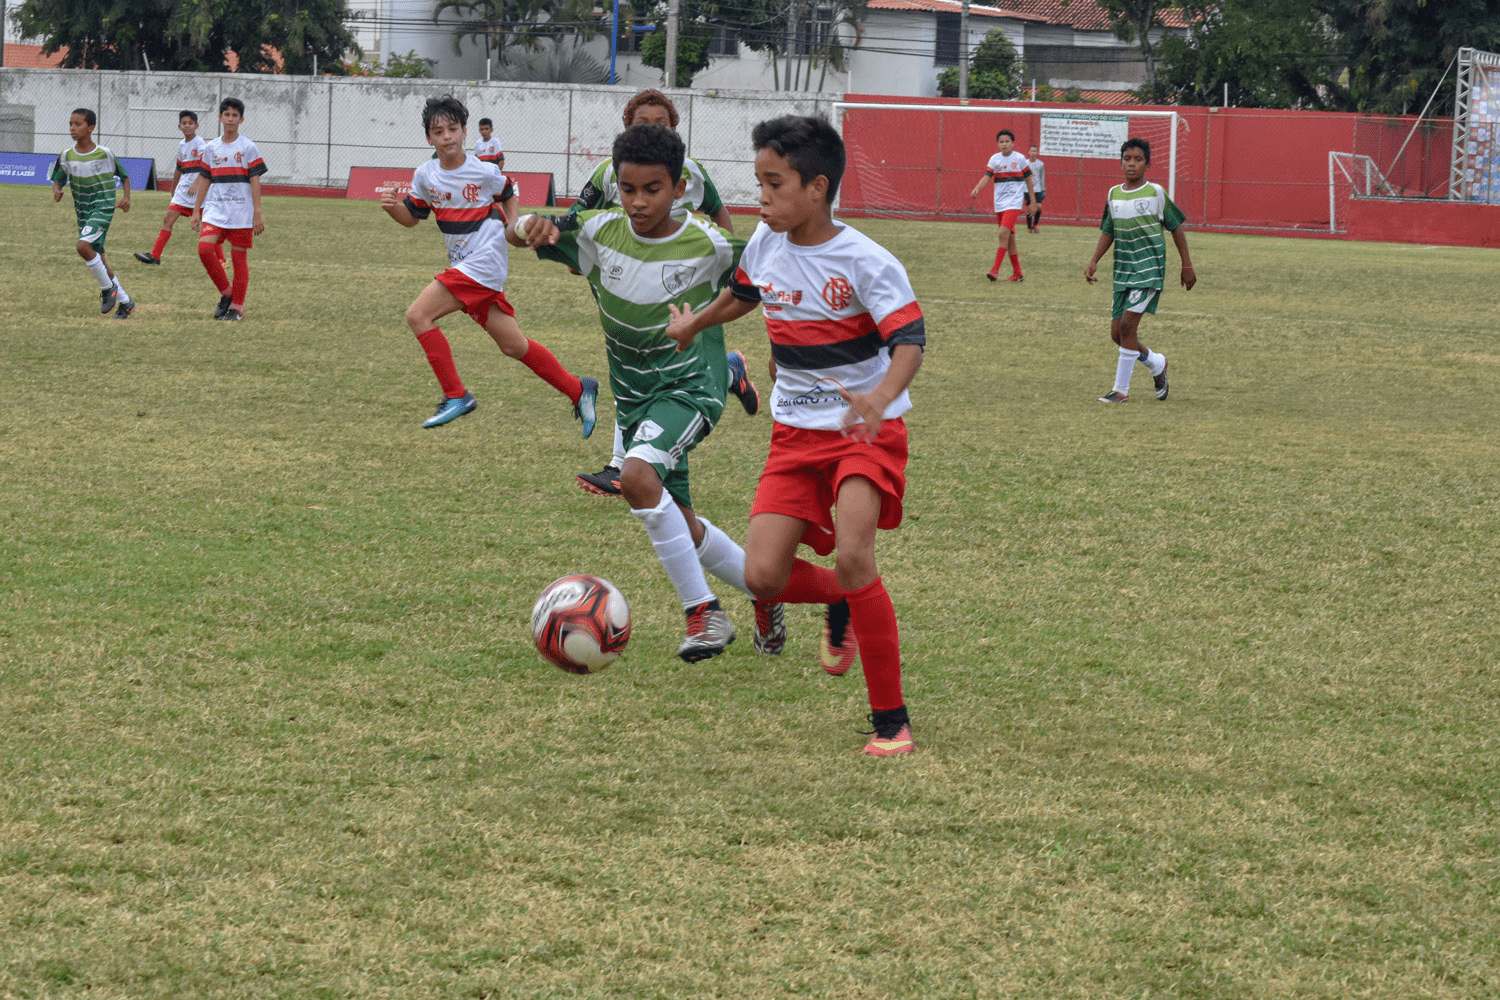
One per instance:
(92, 176)
(633, 281)
(1135, 219)
(603, 190)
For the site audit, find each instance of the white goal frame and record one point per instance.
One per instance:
(1111, 111)
(1362, 176)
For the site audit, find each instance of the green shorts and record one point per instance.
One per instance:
(92, 231)
(663, 438)
(1136, 300)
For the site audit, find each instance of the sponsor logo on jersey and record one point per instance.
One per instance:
(769, 290)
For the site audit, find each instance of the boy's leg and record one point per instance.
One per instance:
(121, 296)
(582, 393)
(606, 482)
(94, 261)
(1132, 350)
(1005, 241)
(872, 615)
(1015, 258)
(241, 283)
(422, 316)
(212, 256)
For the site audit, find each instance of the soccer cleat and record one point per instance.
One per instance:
(107, 299)
(740, 384)
(124, 309)
(146, 258)
(839, 645)
(993, 275)
(587, 408)
(1018, 276)
(890, 745)
(709, 633)
(234, 316)
(223, 307)
(1161, 381)
(604, 483)
(770, 628)
(1114, 397)
(449, 410)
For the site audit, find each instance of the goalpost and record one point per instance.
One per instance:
(923, 159)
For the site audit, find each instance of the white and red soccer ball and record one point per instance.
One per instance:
(581, 623)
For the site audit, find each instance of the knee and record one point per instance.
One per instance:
(855, 570)
(417, 319)
(765, 580)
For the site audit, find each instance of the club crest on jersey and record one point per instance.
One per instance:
(838, 293)
(675, 278)
(471, 192)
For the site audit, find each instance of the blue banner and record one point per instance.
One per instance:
(33, 168)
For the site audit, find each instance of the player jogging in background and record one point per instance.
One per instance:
(1135, 214)
(488, 147)
(847, 338)
(90, 170)
(652, 107)
(189, 165)
(467, 199)
(227, 208)
(1011, 175)
(1039, 182)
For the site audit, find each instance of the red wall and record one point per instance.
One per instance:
(1237, 168)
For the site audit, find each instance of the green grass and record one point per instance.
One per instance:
(1204, 691)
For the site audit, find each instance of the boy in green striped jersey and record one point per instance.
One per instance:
(1134, 217)
(90, 170)
(639, 259)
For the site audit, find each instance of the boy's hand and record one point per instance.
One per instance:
(196, 221)
(1088, 272)
(861, 422)
(124, 204)
(258, 226)
(56, 193)
(388, 197)
(680, 326)
(1189, 277)
(540, 231)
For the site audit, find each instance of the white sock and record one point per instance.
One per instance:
(668, 530)
(1155, 363)
(101, 273)
(1123, 367)
(120, 292)
(617, 457)
(722, 557)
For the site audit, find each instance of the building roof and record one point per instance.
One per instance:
(1083, 15)
(952, 7)
(30, 57)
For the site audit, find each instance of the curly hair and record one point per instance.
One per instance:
(651, 97)
(649, 145)
(445, 108)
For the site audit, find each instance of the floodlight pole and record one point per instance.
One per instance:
(614, 40)
(673, 8)
(963, 51)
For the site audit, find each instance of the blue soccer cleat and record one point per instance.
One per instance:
(587, 409)
(451, 409)
(740, 384)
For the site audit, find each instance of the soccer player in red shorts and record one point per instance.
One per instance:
(184, 185)
(1011, 173)
(847, 339)
(466, 197)
(227, 207)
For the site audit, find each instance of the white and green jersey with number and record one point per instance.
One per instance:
(92, 176)
(603, 190)
(634, 280)
(1136, 218)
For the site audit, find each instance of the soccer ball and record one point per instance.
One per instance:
(581, 623)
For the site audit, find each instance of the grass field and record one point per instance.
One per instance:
(1204, 690)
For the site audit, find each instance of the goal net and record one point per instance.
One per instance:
(1475, 174)
(1352, 175)
(922, 160)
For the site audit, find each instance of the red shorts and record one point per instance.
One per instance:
(476, 298)
(238, 238)
(177, 209)
(1008, 218)
(805, 469)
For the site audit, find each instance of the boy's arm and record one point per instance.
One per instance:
(1105, 239)
(866, 411)
(200, 192)
(728, 307)
(395, 207)
(988, 176)
(124, 204)
(258, 224)
(1189, 276)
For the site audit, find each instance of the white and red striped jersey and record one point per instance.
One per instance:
(1010, 172)
(489, 150)
(229, 167)
(189, 163)
(833, 313)
(466, 203)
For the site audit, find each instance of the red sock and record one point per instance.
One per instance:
(241, 280)
(440, 357)
(1015, 263)
(161, 243)
(873, 619)
(999, 259)
(811, 584)
(547, 368)
(213, 263)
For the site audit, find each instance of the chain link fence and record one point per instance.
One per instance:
(312, 130)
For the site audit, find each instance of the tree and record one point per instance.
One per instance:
(502, 24)
(825, 31)
(1400, 49)
(693, 39)
(995, 71)
(266, 35)
(1133, 21)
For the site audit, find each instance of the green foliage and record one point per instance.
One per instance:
(271, 36)
(410, 65)
(693, 39)
(503, 24)
(995, 71)
(560, 62)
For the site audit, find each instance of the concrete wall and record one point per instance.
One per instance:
(311, 130)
